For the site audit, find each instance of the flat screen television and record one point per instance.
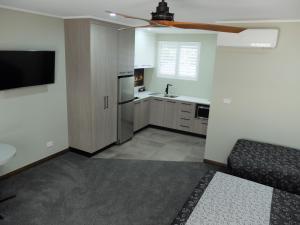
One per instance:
(26, 68)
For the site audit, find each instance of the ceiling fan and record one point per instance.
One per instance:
(163, 18)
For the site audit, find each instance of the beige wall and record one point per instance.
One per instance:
(264, 85)
(200, 88)
(29, 117)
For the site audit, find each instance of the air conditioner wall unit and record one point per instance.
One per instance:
(250, 38)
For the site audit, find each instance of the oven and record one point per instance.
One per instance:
(202, 111)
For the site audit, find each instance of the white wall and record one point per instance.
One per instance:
(264, 85)
(29, 117)
(201, 88)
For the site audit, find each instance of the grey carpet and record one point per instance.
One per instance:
(75, 190)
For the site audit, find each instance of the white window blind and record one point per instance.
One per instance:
(178, 60)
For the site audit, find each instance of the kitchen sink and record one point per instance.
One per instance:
(154, 94)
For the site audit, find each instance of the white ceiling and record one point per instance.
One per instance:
(185, 10)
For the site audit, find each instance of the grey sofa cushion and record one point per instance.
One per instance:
(269, 164)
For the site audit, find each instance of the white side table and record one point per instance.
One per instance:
(6, 153)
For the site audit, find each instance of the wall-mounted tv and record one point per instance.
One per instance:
(26, 68)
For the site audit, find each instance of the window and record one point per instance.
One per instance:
(178, 60)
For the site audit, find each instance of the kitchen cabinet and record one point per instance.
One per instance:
(126, 42)
(157, 107)
(92, 66)
(137, 122)
(104, 86)
(141, 114)
(145, 49)
(186, 113)
(200, 126)
(170, 114)
(145, 112)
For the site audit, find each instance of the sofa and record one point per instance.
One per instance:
(269, 164)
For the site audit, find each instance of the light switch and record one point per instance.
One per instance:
(227, 100)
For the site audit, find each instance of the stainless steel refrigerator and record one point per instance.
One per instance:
(125, 107)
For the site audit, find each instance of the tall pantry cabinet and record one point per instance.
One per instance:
(92, 68)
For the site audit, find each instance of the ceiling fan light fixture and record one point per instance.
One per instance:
(162, 12)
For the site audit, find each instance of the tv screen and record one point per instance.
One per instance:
(26, 68)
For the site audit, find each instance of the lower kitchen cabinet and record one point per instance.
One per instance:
(145, 112)
(186, 112)
(157, 108)
(137, 115)
(200, 126)
(170, 114)
(141, 114)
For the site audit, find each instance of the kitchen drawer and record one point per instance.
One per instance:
(199, 126)
(187, 107)
(183, 127)
(185, 114)
(185, 121)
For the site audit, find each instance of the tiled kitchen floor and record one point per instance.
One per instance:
(156, 144)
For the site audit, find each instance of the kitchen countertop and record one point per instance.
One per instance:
(147, 94)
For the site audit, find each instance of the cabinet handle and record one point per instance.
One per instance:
(104, 102)
(185, 111)
(158, 100)
(185, 119)
(186, 104)
(184, 126)
(107, 102)
(171, 102)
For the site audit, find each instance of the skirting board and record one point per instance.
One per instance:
(214, 163)
(15, 172)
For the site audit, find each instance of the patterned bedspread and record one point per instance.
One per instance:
(222, 199)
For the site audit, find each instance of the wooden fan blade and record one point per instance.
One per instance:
(201, 26)
(128, 28)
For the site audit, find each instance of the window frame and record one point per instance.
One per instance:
(177, 62)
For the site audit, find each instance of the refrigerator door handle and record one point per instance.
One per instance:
(107, 106)
(104, 102)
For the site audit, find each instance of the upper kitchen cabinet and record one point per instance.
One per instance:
(145, 49)
(92, 67)
(126, 42)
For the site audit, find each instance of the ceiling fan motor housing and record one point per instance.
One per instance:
(162, 12)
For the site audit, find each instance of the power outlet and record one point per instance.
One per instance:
(50, 144)
(227, 101)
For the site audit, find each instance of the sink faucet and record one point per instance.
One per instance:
(167, 88)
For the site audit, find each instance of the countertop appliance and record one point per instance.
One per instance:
(202, 111)
(125, 107)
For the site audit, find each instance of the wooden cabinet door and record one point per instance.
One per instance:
(137, 121)
(126, 44)
(170, 114)
(157, 112)
(145, 48)
(104, 84)
(111, 81)
(145, 112)
(186, 113)
(200, 126)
